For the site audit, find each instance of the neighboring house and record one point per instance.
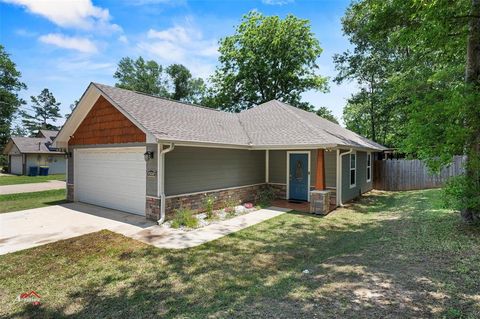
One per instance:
(24, 152)
(148, 155)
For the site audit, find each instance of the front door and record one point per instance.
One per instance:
(298, 171)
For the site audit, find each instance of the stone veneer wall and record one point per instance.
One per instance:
(152, 208)
(280, 190)
(195, 201)
(70, 193)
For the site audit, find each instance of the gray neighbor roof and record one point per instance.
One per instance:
(270, 124)
(33, 144)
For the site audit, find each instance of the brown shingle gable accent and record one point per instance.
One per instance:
(104, 124)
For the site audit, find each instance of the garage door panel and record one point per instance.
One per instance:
(113, 178)
(16, 164)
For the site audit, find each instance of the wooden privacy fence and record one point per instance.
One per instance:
(401, 174)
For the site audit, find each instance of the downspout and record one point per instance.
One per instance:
(339, 175)
(161, 178)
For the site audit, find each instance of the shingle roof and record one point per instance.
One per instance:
(270, 124)
(33, 144)
(278, 123)
(175, 121)
(50, 134)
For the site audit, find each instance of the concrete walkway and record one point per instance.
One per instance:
(31, 187)
(163, 237)
(38, 226)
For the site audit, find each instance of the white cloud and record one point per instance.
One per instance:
(183, 44)
(277, 2)
(83, 45)
(81, 14)
(123, 39)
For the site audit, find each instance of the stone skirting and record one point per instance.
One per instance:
(70, 193)
(239, 195)
(280, 190)
(320, 202)
(152, 208)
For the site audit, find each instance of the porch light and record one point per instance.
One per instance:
(67, 154)
(148, 155)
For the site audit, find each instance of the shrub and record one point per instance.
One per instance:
(208, 203)
(460, 194)
(3, 160)
(266, 196)
(230, 205)
(184, 217)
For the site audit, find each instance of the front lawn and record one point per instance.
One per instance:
(21, 201)
(12, 180)
(390, 255)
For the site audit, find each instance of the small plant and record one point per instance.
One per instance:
(208, 203)
(266, 196)
(184, 217)
(230, 205)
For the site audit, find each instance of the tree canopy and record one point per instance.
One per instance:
(175, 81)
(10, 86)
(267, 58)
(409, 58)
(44, 110)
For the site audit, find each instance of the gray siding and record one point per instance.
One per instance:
(331, 168)
(152, 167)
(361, 182)
(195, 169)
(278, 166)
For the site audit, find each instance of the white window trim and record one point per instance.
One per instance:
(369, 154)
(350, 169)
(287, 195)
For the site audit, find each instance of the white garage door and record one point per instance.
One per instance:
(16, 164)
(111, 177)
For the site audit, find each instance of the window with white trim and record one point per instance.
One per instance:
(369, 167)
(353, 170)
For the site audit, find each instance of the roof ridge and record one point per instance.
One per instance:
(158, 97)
(250, 141)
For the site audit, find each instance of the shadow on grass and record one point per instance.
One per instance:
(383, 262)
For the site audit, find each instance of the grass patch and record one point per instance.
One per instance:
(12, 180)
(184, 217)
(21, 201)
(388, 255)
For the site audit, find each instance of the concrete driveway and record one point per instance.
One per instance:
(38, 226)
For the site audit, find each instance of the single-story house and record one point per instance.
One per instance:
(24, 152)
(149, 155)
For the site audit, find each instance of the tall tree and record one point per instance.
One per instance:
(44, 110)
(267, 58)
(433, 87)
(185, 87)
(326, 113)
(10, 85)
(140, 75)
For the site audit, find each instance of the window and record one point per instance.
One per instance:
(353, 169)
(369, 167)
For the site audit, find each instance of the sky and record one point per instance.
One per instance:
(63, 45)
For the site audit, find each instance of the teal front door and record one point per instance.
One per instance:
(298, 177)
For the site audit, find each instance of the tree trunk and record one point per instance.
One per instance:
(472, 79)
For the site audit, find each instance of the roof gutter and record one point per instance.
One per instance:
(339, 175)
(161, 178)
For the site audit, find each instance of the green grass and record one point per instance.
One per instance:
(12, 180)
(395, 255)
(21, 201)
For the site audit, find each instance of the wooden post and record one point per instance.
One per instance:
(320, 176)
